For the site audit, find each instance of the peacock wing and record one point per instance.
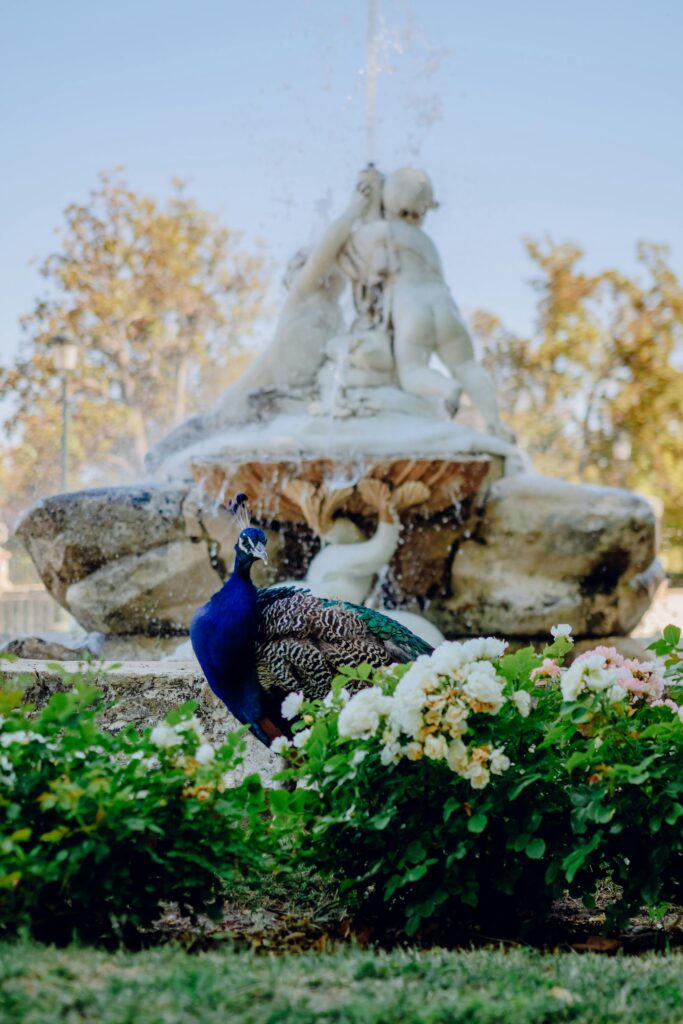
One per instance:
(304, 640)
(397, 638)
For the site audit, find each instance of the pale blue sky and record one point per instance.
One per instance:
(551, 117)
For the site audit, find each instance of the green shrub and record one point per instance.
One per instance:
(478, 783)
(98, 830)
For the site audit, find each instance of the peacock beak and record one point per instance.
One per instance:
(260, 552)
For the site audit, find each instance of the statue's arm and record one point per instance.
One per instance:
(325, 253)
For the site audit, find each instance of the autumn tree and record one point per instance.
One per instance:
(159, 299)
(596, 392)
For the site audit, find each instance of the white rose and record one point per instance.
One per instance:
(301, 738)
(572, 682)
(191, 725)
(522, 701)
(595, 676)
(360, 718)
(390, 754)
(448, 657)
(204, 753)
(457, 756)
(562, 629)
(478, 776)
(587, 673)
(291, 705)
(21, 736)
(422, 675)
(499, 762)
(164, 736)
(407, 708)
(483, 647)
(436, 748)
(598, 679)
(485, 689)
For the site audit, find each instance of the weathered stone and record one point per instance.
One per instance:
(69, 536)
(105, 646)
(142, 693)
(535, 552)
(547, 551)
(50, 647)
(155, 592)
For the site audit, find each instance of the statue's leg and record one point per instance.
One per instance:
(413, 345)
(456, 351)
(477, 383)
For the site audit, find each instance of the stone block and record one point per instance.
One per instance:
(547, 551)
(154, 592)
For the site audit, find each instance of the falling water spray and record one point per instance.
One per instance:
(371, 75)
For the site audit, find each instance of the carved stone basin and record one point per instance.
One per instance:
(450, 482)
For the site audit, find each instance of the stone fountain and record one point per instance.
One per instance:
(374, 456)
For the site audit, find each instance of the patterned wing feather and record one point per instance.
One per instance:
(304, 640)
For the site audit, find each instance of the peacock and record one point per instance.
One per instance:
(256, 645)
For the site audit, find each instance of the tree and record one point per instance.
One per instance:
(159, 298)
(596, 394)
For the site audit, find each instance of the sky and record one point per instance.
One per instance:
(532, 118)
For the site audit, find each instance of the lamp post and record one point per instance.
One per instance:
(65, 358)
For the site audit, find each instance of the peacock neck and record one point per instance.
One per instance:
(242, 569)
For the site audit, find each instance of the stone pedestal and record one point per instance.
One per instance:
(488, 555)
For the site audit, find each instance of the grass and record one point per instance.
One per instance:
(42, 985)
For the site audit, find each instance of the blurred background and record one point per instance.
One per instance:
(162, 160)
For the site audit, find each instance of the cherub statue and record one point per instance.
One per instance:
(311, 315)
(398, 259)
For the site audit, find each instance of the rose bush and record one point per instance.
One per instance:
(99, 830)
(484, 783)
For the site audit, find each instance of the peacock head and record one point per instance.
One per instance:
(250, 546)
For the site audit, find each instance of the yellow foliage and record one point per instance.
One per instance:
(159, 298)
(596, 394)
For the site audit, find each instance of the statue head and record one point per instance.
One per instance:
(333, 281)
(407, 195)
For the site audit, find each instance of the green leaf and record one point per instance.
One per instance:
(380, 821)
(55, 835)
(528, 780)
(415, 851)
(672, 635)
(417, 872)
(477, 823)
(535, 849)
(573, 863)
(673, 814)
(21, 835)
(449, 808)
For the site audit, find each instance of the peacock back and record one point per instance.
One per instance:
(304, 640)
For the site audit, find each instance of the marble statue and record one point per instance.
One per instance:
(398, 262)
(319, 367)
(310, 316)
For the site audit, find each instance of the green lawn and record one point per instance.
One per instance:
(41, 985)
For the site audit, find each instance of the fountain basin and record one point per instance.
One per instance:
(491, 555)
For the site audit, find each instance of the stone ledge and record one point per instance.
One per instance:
(144, 692)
